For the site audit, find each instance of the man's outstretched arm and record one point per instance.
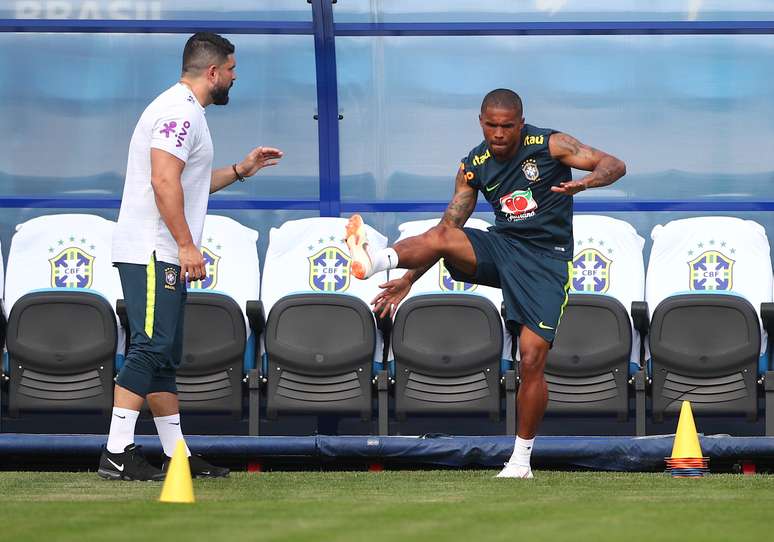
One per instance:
(604, 168)
(258, 158)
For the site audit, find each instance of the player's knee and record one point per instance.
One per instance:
(533, 362)
(439, 237)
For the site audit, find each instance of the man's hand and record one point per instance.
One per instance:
(391, 295)
(191, 263)
(259, 157)
(569, 188)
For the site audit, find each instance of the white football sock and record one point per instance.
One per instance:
(385, 259)
(121, 434)
(522, 451)
(168, 428)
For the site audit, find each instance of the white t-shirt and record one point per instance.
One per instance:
(174, 122)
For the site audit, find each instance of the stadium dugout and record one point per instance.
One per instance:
(671, 294)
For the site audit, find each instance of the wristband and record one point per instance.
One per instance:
(238, 176)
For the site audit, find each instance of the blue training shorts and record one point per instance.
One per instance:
(534, 283)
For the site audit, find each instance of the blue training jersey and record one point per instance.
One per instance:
(519, 191)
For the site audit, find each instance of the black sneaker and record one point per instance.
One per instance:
(200, 468)
(128, 465)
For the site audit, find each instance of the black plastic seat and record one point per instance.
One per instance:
(320, 350)
(587, 369)
(447, 350)
(61, 349)
(209, 378)
(705, 349)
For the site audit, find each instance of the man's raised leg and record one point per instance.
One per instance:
(417, 252)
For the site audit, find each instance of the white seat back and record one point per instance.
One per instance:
(608, 260)
(710, 254)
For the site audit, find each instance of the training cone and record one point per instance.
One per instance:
(687, 460)
(178, 486)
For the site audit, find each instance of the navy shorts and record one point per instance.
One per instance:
(533, 282)
(155, 304)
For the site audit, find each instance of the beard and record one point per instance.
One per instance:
(220, 95)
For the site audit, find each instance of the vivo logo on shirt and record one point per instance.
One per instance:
(88, 9)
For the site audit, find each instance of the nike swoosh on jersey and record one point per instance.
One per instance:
(116, 465)
(490, 188)
(541, 325)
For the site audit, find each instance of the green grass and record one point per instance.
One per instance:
(393, 506)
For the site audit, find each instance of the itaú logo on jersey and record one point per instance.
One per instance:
(518, 205)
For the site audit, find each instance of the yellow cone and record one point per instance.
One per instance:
(178, 486)
(686, 438)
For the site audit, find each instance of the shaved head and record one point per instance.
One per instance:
(503, 98)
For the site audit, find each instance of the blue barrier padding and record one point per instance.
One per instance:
(598, 453)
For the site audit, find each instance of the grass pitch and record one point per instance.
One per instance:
(393, 506)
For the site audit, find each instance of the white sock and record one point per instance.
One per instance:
(121, 434)
(385, 259)
(169, 431)
(522, 451)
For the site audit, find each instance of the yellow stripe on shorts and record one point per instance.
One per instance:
(566, 291)
(150, 295)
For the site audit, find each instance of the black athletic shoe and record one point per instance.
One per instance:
(129, 465)
(200, 468)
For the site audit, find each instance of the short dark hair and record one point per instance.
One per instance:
(502, 98)
(204, 49)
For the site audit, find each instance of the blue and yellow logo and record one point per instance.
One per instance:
(211, 261)
(591, 272)
(711, 270)
(329, 270)
(72, 268)
(448, 284)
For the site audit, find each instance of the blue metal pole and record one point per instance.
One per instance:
(327, 107)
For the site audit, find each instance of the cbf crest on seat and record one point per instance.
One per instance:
(707, 278)
(62, 333)
(596, 349)
(329, 270)
(320, 339)
(439, 366)
(218, 345)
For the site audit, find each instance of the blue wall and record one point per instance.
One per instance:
(688, 107)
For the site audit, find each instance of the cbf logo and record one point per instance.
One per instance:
(531, 171)
(329, 270)
(448, 284)
(72, 268)
(211, 261)
(711, 270)
(591, 271)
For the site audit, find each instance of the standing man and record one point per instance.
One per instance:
(169, 177)
(524, 173)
